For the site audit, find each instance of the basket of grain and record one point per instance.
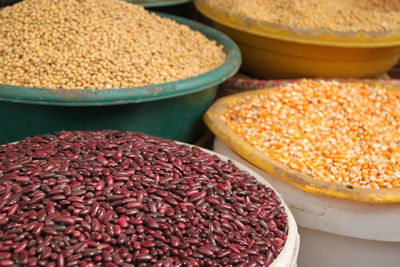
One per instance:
(107, 64)
(292, 38)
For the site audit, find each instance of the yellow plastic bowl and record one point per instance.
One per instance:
(278, 51)
(214, 120)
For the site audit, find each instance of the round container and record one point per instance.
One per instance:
(278, 51)
(336, 232)
(171, 110)
(289, 253)
(214, 120)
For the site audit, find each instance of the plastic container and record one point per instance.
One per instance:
(289, 253)
(214, 120)
(336, 232)
(288, 256)
(279, 51)
(171, 110)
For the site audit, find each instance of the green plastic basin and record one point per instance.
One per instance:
(172, 110)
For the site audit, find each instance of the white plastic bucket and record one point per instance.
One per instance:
(288, 256)
(336, 232)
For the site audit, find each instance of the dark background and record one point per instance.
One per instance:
(8, 2)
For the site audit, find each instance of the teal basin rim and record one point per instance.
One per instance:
(102, 97)
(158, 3)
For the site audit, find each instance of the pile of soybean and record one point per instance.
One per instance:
(98, 44)
(335, 15)
(114, 198)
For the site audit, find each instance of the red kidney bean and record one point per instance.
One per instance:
(116, 258)
(61, 261)
(123, 223)
(75, 257)
(20, 246)
(106, 255)
(117, 230)
(143, 257)
(80, 247)
(128, 199)
(64, 220)
(6, 262)
(148, 244)
(86, 226)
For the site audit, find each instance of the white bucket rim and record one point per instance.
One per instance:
(343, 217)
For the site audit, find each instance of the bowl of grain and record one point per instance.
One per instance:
(107, 64)
(288, 39)
(330, 137)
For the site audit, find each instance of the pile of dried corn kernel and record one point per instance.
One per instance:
(346, 133)
(336, 15)
(97, 44)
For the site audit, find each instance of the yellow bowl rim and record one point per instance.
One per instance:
(295, 34)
